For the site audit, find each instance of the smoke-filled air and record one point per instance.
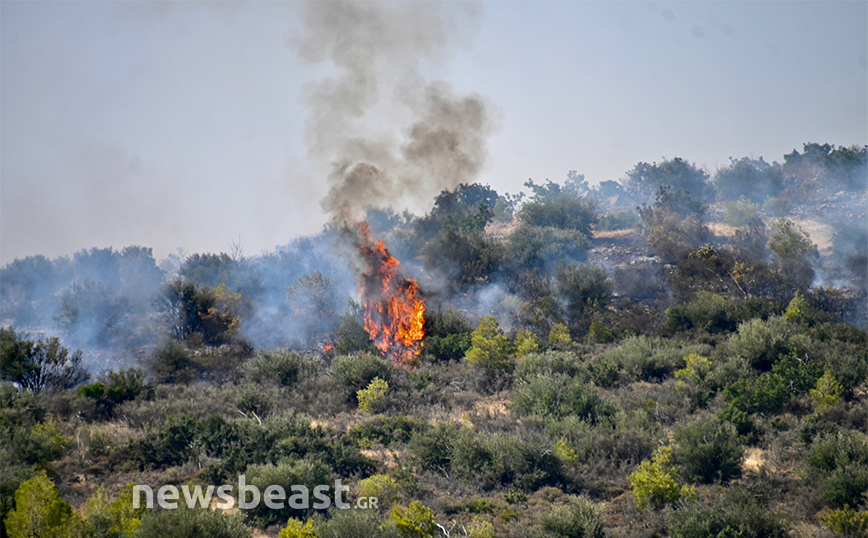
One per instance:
(675, 348)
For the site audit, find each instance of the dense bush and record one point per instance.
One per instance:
(839, 462)
(353, 373)
(763, 342)
(39, 365)
(283, 367)
(558, 395)
(736, 513)
(577, 518)
(709, 451)
(192, 523)
(307, 472)
(655, 483)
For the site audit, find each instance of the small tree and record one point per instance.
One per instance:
(656, 483)
(489, 346)
(525, 343)
(372, 397)
(559, 336)
(40, 511)
(827, 391)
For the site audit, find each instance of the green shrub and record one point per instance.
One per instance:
(305, 472)
(709, 451)
(281, 366)
(839, 462)
(447, 334)
(431, 450)
(355, 524)
(386, 430)
(107, 518)
(40, 511)
(415, 521)
(373, 397)
(296, 529)
(173, 363)
(736, 513)
(382, 487)
(525, 343)
(114, 388)
(547, 363)
(184, 522)
(559, 336)
(742, 213)
(577, 518)
(559, 395)
(846, 522)
(655, 483)
(761, 343)
(355, 372)
(827, 391)
(648, 359)
(708, 311)
(490, 347)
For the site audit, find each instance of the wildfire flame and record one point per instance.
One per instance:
(393, 306)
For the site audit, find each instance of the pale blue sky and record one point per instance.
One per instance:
(181, 124)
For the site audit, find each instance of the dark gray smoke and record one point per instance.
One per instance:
(378, 91)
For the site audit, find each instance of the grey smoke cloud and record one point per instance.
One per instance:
(377, 49)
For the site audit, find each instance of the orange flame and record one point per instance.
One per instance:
(393, 306)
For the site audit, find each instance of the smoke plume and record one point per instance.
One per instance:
(377, 91)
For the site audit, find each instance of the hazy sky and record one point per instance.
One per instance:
(182, 124)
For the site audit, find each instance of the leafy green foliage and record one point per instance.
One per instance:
(551, 206)
(644, 180)
(655, 483)
(373, 397)
(753, 178)
(355, 372)
(489, 346)
(283, 367)
(577, 518)
(39, 511)
(827, 391)
(846, 522)
(839, 462)
(296, 529)
(192, 523)
(736, 513)
(558, 395)
(116, 387)
(709, 451)
(414, 521)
